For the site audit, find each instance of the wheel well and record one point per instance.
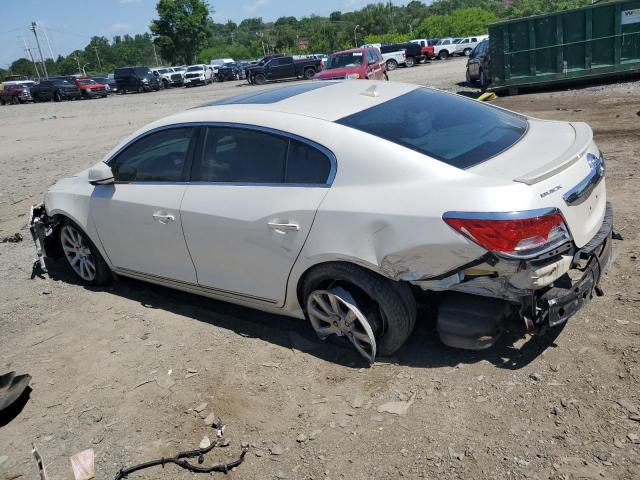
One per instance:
(303, 277)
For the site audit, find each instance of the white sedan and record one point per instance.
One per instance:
(347, 203)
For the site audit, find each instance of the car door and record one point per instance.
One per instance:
(138, 217)
(249, 209)
(281, 67)
(374, 69)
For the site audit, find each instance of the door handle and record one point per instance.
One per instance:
(284, 227)
(164, 218)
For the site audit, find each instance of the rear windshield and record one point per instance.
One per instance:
(455, 130)
(342, 60)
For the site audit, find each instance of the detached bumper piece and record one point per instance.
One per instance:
(561, 302)
(41, 227)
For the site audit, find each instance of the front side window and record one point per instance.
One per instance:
(371, 58)
(239, 155)
(455, 130)
(158, 157)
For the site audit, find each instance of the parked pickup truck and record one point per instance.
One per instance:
(279, 68)
(89, 88)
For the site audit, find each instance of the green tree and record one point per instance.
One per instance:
(22, 66)
(182, 28)
(463, 22)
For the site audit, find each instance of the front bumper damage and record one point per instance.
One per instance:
(541, 293)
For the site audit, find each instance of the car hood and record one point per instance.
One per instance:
(338, 72)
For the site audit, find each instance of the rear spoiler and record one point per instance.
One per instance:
(583, 139)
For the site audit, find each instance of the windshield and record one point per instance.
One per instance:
(61, 82)
(342, 60)
(178, 69)
(448, 127)
(163, 70)
(194, 69)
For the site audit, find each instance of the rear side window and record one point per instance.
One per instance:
(243, 156)
(158, 157)
(306, 164)
(239, 155)
(455, 130)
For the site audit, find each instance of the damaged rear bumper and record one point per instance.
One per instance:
(559, 303)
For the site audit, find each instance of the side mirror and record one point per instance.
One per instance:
(101, 174)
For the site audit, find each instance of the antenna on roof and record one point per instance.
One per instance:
(371, 92)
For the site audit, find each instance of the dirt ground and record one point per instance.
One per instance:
(123, 370)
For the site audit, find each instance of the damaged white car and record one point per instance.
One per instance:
(347, 203)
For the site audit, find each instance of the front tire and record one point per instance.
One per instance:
(259, 79)
(57, 97)
(309, 73)
(443, 55)
(391, 64)
(388, 307)
(483, 80)
(466, 52)
(82, 255)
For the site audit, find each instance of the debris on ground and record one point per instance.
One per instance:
(39, 462)
(398, 407)
(12, 387)
(181, 460)
(15, 238)
(83, 465)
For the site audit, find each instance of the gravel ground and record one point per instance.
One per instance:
(128, 370)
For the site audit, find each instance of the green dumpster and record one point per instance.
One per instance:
(597, 41)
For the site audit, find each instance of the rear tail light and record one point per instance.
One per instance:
(517, 234)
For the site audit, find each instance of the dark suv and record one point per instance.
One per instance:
(479, 65)
(135, 79)
(56, 89)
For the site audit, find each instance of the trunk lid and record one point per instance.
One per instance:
(554, 159)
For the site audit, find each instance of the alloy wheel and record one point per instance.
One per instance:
(78, 253)
(334, 312)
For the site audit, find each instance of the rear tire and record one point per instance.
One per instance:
(443, 55)
(390, 307)
(82, 255)
(410, 62)
(483, 81)
(391, 64)
(466, 52)
(57, 97)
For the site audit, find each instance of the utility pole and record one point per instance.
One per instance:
(44, 30)
(155, 54)
(35, 33)
(28, 50)
(355, 35)
(95, 47)
(78, 62)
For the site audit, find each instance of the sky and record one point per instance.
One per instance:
(70, 24)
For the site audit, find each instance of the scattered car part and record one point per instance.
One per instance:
(181, 460)
(12, 387)
(15, 238)
(36, 456)
(83, 465)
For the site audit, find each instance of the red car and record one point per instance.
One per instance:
(90, 88)
(15, 94)
(357, 64)
(428, 52)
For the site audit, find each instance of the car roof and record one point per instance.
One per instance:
(324, 100)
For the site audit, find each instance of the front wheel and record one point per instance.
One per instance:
(309, 73)
(483, 80)
(443, 55)
(466, 52)
(391, 64)
(57, 97)
(82, 255)
(259, 79)
(374, 313)
(468, 78)
(15, 101)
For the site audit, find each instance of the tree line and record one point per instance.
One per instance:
(184, 32)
